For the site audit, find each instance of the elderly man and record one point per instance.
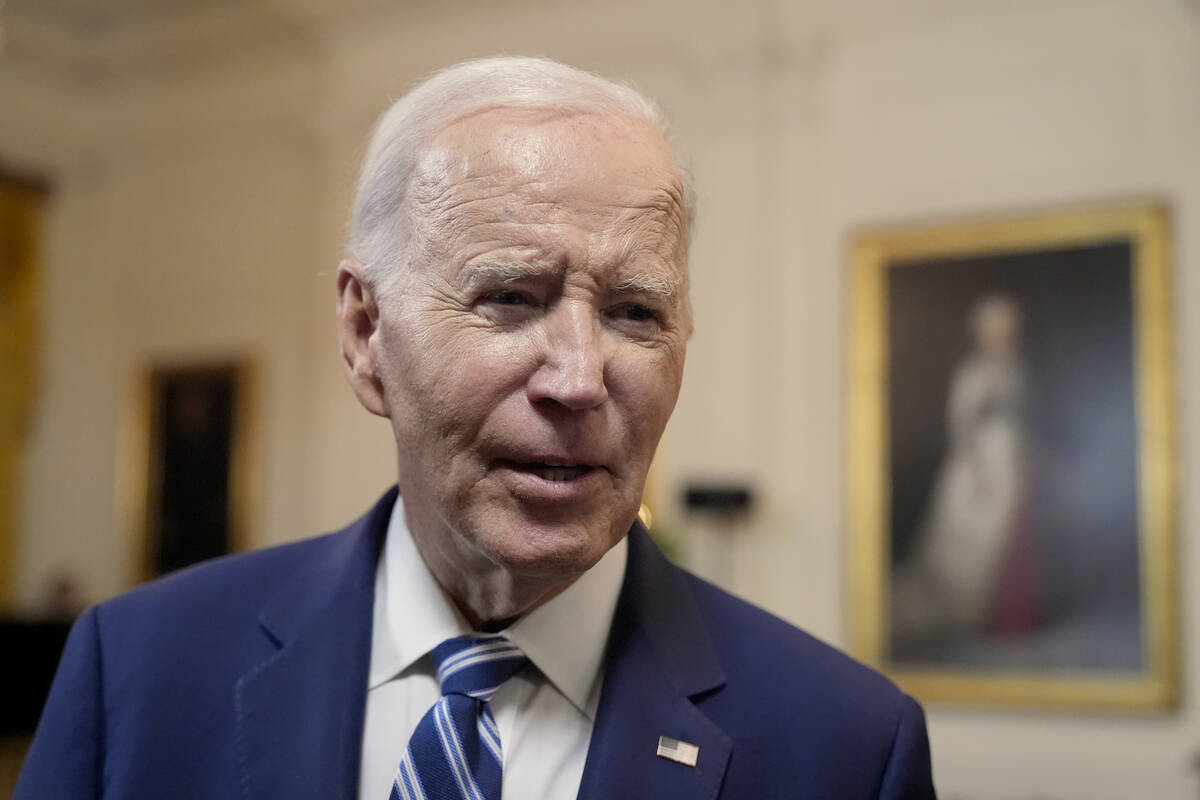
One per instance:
(515, 303)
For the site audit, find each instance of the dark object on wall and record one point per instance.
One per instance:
(724, 498)
(194, 421)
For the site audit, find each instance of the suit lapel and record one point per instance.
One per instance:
(660, 656)
(300, 711)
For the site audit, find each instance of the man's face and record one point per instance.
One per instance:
(531, 353)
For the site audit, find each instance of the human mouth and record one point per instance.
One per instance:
(551, 479)
(556, 472)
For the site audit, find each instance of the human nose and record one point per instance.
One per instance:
(571, 372)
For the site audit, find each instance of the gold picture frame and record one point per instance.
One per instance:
(22, 203)
(1011, 459)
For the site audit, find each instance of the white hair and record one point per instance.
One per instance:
(380, 224)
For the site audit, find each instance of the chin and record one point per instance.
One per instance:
(567, 550)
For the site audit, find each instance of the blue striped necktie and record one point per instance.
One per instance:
(454, 754)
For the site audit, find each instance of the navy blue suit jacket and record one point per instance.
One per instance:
(246, 677)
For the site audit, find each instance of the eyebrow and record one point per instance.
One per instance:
(647, 284)
(501, 272)
(506, 272)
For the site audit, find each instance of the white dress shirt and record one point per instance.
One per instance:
(545, 713)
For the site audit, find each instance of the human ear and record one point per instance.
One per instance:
(358, 323)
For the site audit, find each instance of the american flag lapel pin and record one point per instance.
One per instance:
(675, 750)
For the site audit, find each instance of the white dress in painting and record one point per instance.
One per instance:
(947, 587)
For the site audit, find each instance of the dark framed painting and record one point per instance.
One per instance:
(189, 452)
(1011, 483)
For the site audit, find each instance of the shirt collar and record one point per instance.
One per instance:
(564, 637)
(412, 613)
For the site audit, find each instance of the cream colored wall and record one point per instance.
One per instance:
(202, 215)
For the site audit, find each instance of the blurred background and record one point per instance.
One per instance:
(181, 172)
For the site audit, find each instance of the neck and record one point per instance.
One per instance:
(494, 607)
(487, 594)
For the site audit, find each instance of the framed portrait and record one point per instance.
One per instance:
(189, 459)
(1011, 471)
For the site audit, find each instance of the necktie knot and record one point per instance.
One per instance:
(476, 666)
(455, 753)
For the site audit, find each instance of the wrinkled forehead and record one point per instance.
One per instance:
(585, 158)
